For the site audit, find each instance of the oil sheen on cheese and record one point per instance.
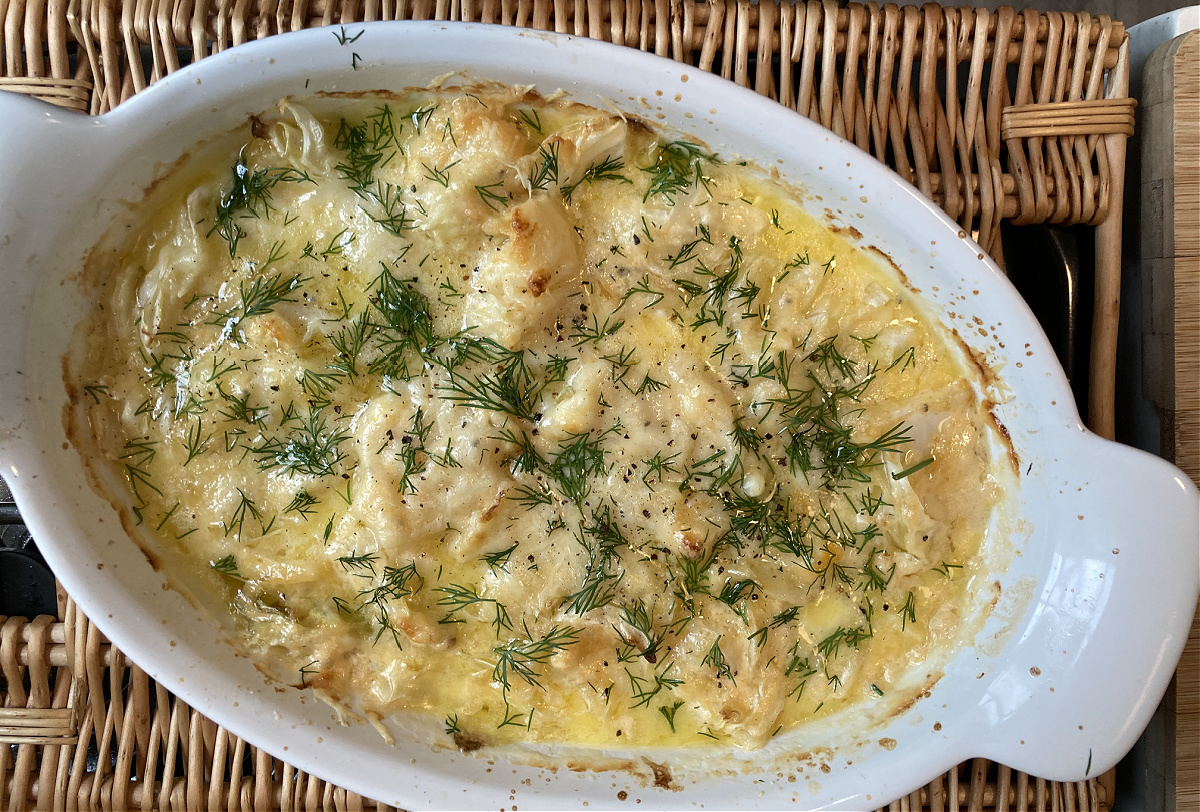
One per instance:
(519, 414)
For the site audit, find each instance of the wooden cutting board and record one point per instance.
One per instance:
(1170, 135)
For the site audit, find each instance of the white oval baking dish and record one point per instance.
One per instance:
(1095, 604)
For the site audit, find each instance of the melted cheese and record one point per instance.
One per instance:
(513, 413)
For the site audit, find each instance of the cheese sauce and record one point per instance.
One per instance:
(514, 412)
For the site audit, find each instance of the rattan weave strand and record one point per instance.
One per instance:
(1031, 128)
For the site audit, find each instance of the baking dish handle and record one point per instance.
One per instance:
(46, 165)
(1103, 635)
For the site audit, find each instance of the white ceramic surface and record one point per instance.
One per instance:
(1061, 681)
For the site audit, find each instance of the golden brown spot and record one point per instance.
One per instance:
(662, 774)
(887, 743)
(520, 224)
(691, 544)
(491, 511)
(539, 280)
(466, 742)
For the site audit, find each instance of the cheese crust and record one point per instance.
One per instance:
(517, 413)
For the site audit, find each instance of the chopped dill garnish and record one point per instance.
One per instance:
(249, 196)
(259, 298)
(490, 197)
(644, 689)
(302, 503)
(520, 657)
(349, 342)
(544, 171)
(677, 166)
(406, 327)
(584, 334)
(499, 559)
(908, 612)
(245, 508)
(608, 169)
(439, 176)
(314, 449)
(912, 469)
(716, 659)
(95, 390)
(457, 597)
(226, 565)
(668, 712)
(194, 442)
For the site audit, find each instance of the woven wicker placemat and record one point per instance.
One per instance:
(1031, 127)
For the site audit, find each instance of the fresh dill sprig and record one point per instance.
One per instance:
(622, 361)
(249, 196)
(226, 565)
(530, 497)
(649, 384)
(531, 118)
(668, 712)
(544, 171)
(783, 618)
(219, 369)
(368, 145)
(584, 333)
(716, 658)
(735, 593)
(599, 589)
(420, 117)
(302, 503)
(608, 169)
(95, 390)
(644, 689)
(499, 559)
(393, 217)
(874, 577)
(439, 176)
(657, 466)
(638, 617)
(912, 469)
(238, 409)
(412, 454)
(512, 389)
(576, 462)
(245, 508)
(394, 583)
(908, 612)
(527, 458)
(904, 360)
(314, 449)
(259, 298)
(406, 326)
(457, 597)
(195, 442)
(677, 166)
(349, 342)
(318, 385)
(356, 563)
(490, 197)
(338, 243)
(842, 636)
(642, 287)
(945, 567)
(520, 657)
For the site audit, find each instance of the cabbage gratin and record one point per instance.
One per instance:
(517, 413)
